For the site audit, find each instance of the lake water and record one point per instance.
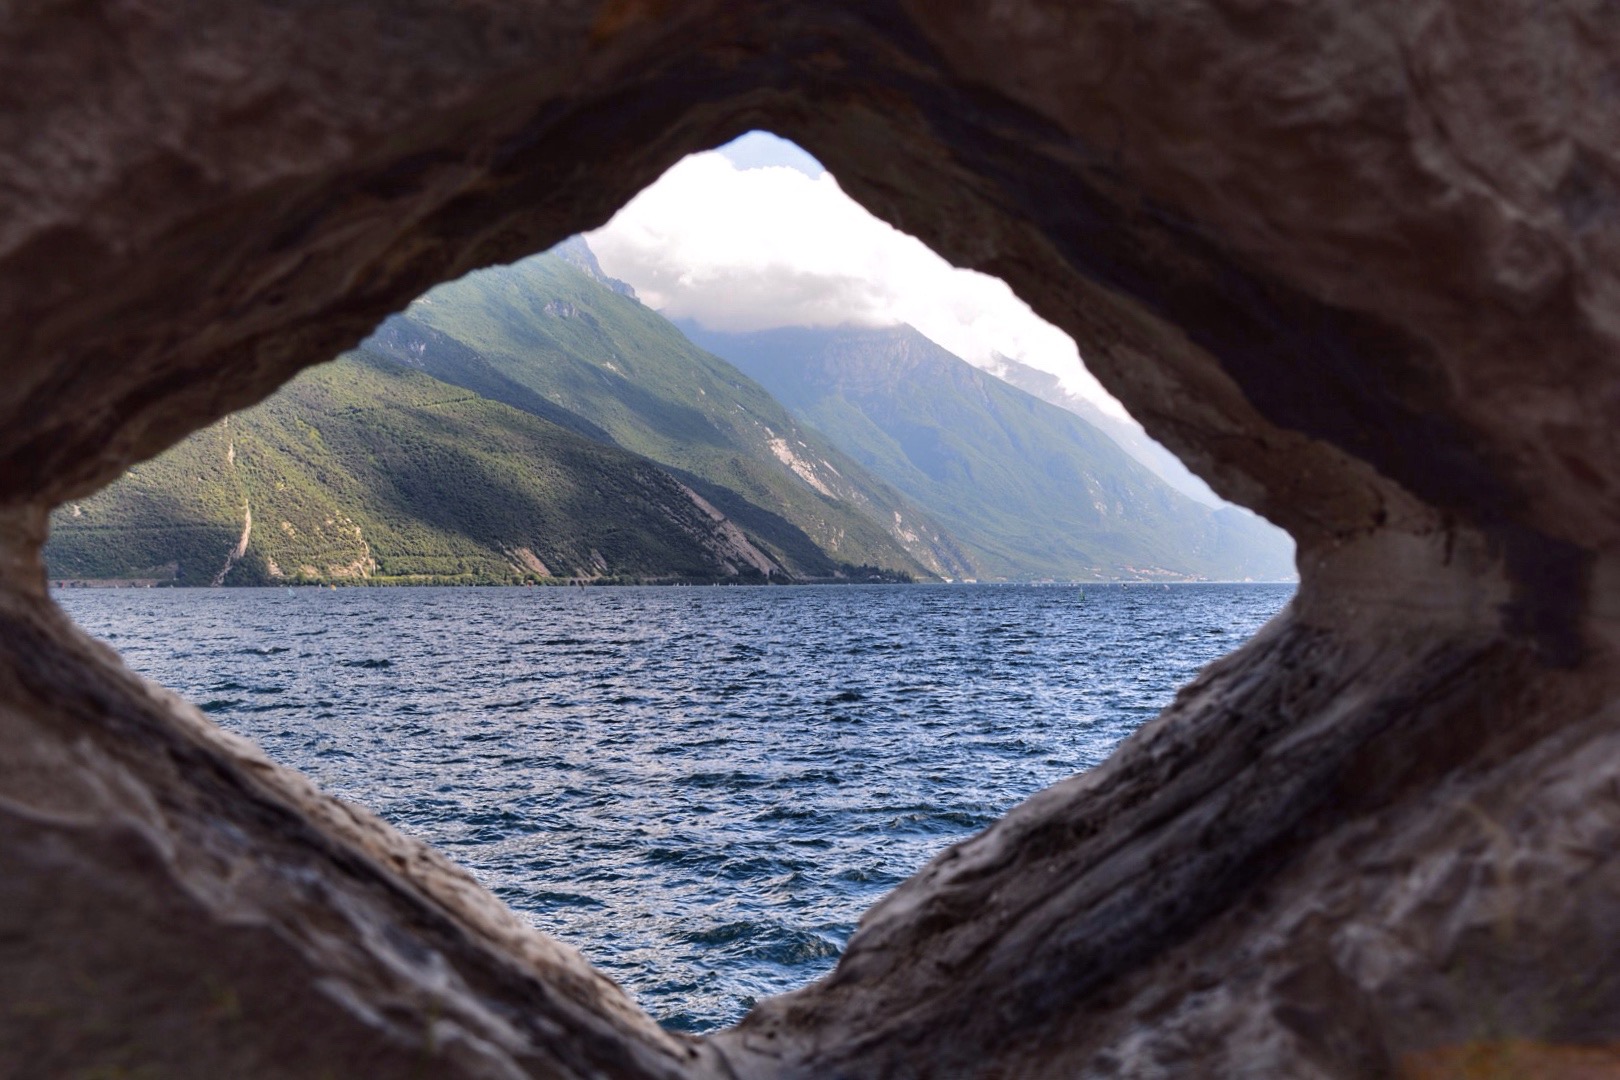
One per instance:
(699, 788)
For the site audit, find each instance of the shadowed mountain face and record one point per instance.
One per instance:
(555, 337)
(1030, 489)
(363, 469)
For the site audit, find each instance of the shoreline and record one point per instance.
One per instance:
(70, 584)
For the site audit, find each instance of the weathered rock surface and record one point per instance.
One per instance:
(1356, 262)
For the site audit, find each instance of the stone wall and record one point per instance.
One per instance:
(1354, 261)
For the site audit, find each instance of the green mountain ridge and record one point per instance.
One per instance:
(364, 470)
(553, 335)
(537, 423)
(1031, 490)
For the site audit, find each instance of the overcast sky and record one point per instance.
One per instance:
(758, 235)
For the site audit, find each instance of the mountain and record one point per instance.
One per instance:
(1031, 490)
(1128, 434)
(364, 469)
(537, 422)
(554, 336)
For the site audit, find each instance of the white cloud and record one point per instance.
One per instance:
(752, 248)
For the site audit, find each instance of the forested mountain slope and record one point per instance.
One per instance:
(554, 336)
(366, 470)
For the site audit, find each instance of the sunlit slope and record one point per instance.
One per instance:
(363, 469)
(1032, 490)
(553, 336)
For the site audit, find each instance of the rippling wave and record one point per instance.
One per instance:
(699, 788)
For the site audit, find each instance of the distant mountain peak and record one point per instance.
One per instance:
(1127, 433)
(1023, 376)
(577, 253)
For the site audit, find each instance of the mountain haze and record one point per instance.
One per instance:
(1031, 490)
(1130, 437)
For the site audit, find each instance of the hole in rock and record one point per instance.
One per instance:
(744, 378)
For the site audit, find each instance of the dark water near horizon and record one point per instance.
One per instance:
(700, 788)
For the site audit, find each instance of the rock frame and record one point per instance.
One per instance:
(1354, 262)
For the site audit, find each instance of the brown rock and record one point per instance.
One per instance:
(1356, 262)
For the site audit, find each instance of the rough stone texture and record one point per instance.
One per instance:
(1355, 261)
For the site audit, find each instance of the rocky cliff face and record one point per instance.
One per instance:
(1355, 262)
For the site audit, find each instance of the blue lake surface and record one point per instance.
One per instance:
(701, 789)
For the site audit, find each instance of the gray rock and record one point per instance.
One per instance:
(1356, 263)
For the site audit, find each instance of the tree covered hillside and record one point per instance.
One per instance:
(365, 470)
(555, 337)
(536, 422)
